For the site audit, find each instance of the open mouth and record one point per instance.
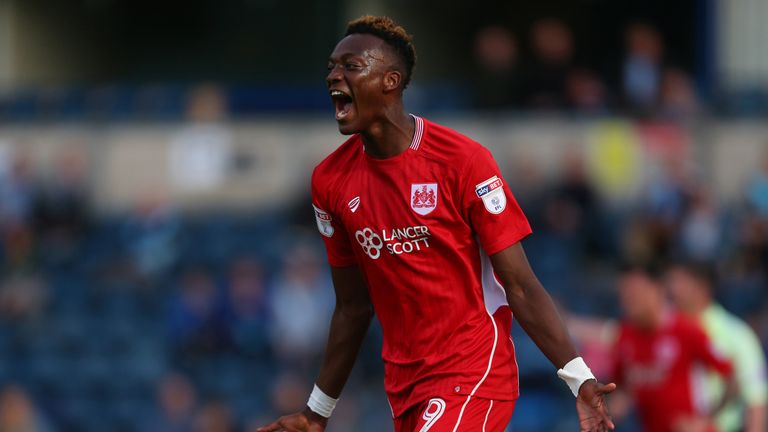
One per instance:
(343, 104)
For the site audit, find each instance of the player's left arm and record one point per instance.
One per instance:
(537, 314)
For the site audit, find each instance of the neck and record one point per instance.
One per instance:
(390, 135)
(700, 305)
(656, 319)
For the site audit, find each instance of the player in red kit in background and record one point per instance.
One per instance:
(421, 228)
(657, 353)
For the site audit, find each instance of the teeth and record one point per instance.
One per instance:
(337, 93)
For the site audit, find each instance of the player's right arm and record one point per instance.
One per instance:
(750, 372)
(705, 352)
(349, 324)
(351, 319)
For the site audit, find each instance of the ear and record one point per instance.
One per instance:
(392, 80)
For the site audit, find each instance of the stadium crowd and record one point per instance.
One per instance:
(544, 69)
(154, 320)
(216, 322)
(550, 75)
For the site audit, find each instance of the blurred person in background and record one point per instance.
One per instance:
(642, 68)
(585, 92)
(195, 324)
(247, 308)
(547, 77)
(214, 416)
(201, 152)
(23, 287)
(498, 76)
(655, 355)
(677, 99)
(700, 228)
(757, 189)
(176, 401)
(573, 209)
(691, 284)
(151, 236)
(654, 235)
(18, 412)
(300, 308)
(61, 207)
(439, 202)
(18, 188)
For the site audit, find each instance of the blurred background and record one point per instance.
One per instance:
(159, 265)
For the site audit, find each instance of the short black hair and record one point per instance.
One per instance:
(701, 270)
(393, 34)
(649, 268)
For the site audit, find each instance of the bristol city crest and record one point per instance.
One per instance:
(423, 197)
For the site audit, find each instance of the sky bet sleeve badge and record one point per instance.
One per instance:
(323, 222)
(492, 193)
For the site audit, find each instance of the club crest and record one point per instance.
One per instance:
(423, 197)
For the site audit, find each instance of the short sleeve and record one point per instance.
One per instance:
(704, 351)
(489, 206)
(335, 237)
(749, 364)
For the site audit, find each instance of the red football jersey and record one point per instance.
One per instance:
(421, 226)
(657, 368)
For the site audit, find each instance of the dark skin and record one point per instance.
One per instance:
(367, 70)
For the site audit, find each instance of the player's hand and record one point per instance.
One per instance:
(591, 407)
(305, 421)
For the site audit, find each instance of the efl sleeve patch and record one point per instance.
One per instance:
(323, 222)
(491, 192)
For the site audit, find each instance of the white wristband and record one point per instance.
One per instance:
(574, 373)
(321, 403)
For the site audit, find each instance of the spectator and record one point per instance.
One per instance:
(23, 297)
(642, 68)
(60, 208)
(678, 98)
(17, 191)
(18, 413)
(552, 55)
(301, 306)
(202, 151)
(700, 236)
(194, 316)
(498, 78)
(151, 235)
(247, 307)
(574, 202)
(757, 190)
(176, 399)
(214, 416)
(585, 92)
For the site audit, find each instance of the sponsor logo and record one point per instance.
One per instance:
(423, 197)
(491, 192)
(397, 241)
(370, 242)
(354, 203)
(324, 224)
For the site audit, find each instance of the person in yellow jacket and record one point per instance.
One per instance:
(690, 285)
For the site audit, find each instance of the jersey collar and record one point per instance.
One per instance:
(418, 131)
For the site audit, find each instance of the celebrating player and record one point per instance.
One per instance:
(657, 353)
(421, 228)
(690, 284)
